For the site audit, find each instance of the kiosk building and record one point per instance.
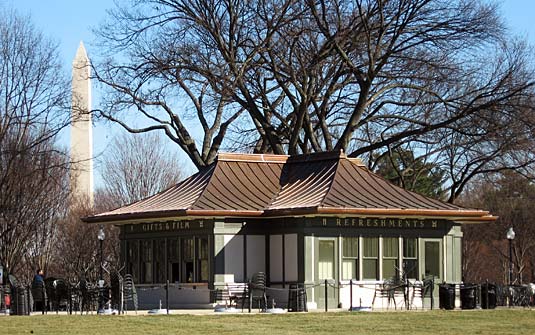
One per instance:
(299, 219)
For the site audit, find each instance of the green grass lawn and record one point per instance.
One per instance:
(429, 323)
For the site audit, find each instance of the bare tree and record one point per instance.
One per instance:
(135, 167)
(293, 77)
(510, 196)
(76, 248)
(33, 170)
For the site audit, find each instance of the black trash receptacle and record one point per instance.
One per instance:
(446, 296)
(19, 301)
(5, 299)
(297, 298)
(468, 296)
(488, 296)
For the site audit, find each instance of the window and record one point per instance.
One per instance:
(159, 261)
(410, 257)
(350, 262)
(390, 257)
(188, 250)
(433, 259)
(132, 255)
(173, 259)
(202, 259)
(326, 260)
(146, 261)
(370, 257)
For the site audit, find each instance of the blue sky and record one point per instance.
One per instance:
(70, 21)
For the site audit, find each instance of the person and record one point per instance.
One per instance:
(38, 279)
(38, 291)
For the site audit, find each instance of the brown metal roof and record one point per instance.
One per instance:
(243, 185)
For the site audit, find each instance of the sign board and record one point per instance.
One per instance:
(168, 226)
(383, 223)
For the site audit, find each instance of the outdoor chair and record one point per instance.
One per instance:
(89, 296)
(50, 292)
(39, 297)
(256, 292)
(62, 295)
(390, 290)
(129, 292)
(417, 294)
(230, 295)
(222, 296)
(116, 283)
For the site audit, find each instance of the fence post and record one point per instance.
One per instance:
(351, 295)
(487, 294)
(167, 296)
(28, 298)
(326, 297)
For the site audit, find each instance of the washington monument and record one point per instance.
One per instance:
(81, 130)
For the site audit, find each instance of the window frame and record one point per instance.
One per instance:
(354, 259)
(370, 258)
(394, 258)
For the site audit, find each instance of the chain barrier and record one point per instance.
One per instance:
(472, 295)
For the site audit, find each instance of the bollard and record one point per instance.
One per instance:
(326, 298)
(167, 296)
(351, 295)
(30, 307)
(487, 294)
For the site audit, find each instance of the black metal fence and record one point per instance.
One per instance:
(87, 297)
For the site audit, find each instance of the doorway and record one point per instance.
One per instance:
(326, 270)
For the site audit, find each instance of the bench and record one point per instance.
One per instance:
(230, 294)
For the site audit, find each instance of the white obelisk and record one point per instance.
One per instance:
(81, 130)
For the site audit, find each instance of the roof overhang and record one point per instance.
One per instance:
(460, 216)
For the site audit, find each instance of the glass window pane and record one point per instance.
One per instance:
(203, 248)
(410, 267)
(202, 263)
(172, 249)
(326, 260)
(133, 259)
(389, 268)
(350, 246)
(159, 261)
(370, 247)
(369, 269)
(432, 259)
(146, 261)
(187, 248)
(187, 259)
(390, 247)
(409, 247)
(349, 269)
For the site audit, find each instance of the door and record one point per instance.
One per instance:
(432, 266)
(433, 259)
(326, 270)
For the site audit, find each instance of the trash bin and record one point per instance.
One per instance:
(19, 301)
(468, 296)
(488, 296)
(297, 298)
(446, 296)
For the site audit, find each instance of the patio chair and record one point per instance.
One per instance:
(256, 291)
(62, 295)
(129, 292)
(391, 290)
(89, 296)
(50, 293)
(116, 283)
(417, 294)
